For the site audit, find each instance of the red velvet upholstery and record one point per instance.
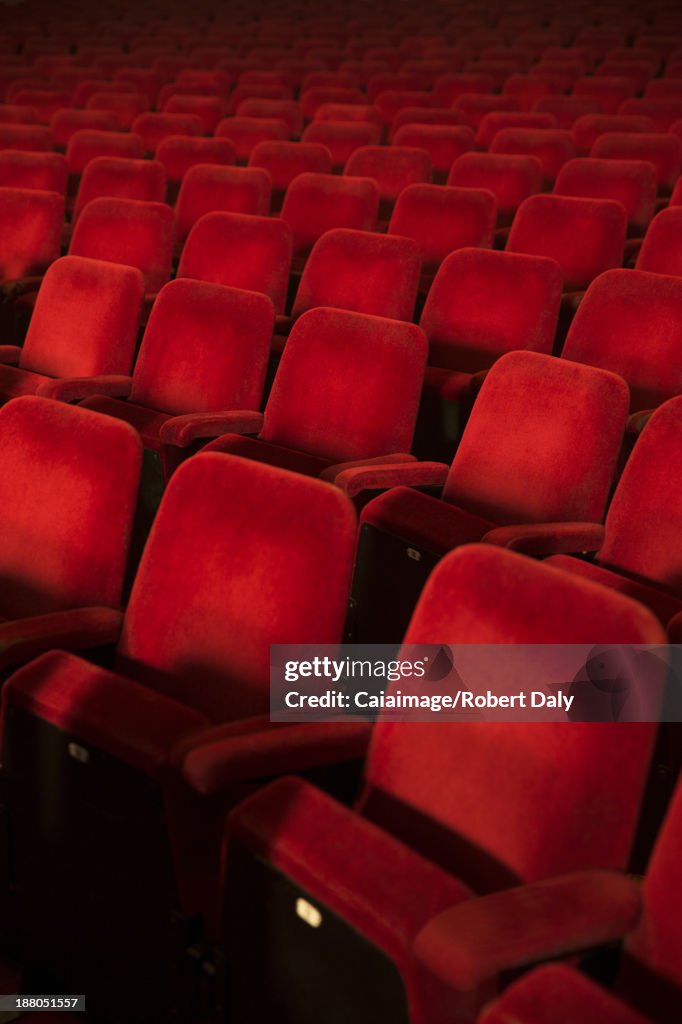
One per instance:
(664, 111)
(542, 816)
(630, 322)
(443, 143)
(240, 251)
(209, 110)
(342, 137)
(566, 109)
(127, 231)
(661, 251)
(94, 85)
(125, 106)
(206, 188)
(473, 108)
(284, 161)
(510, 178)
(424, 115)
(449, 87)
(630, 182)
(33, 138)
(663, 151)
(585, 236)
(246, 132)
(633, 552)
(47, 172)
(180, 152)
(393, 168)
(88, 143)
(31, 231)
(589, 128)
(347, 112)
(205, 349)
(316, 203)
(125, 179)
(361, 271)
(552, 146)
(610, 91)
(68, 488)
(153, 128)
(497, 120)
(287, 110)
(441, 219)
(466, 331)
(66, 123)
(372, 371)
(312, 99)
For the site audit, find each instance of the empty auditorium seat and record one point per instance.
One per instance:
(662, 112)
(312, 99)
(284, 161)
(11, 113)
(95, 87)
(125, 106)
(66, 123)
(342, 138)
(637, 552)
(220, 580)
(88, 143)
(566, 109)
(31, 231)
(449, 87)
(180, 152)
(241, 251)
(207, 187)
(360, 271)
(591, 127)
(46, 101)
(663, 151)
(424, 115)
(610, 91)
(46, 172)
(650, 969)
(446, 805)
(443, 143)
(209, 110)
(153, 128)
(472, 108)
(511, 179)
(316, 203)
(585, 236)
(346, 391)
(246, 132)
(498, 119)
(205, 351)
(84, 324)
(126, 179)
(32, 137)
(661, 251)
(393, 168)
(528, 89)
(522, 417)
(348, 112)
(68, 487)
(441, 219)
(632, 183)
(553, 147)
(128, 231)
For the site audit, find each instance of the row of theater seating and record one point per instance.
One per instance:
(159, 854)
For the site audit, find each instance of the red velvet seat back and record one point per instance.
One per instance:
(585, 236)
(240, 251)
(511, 179)
(284, 161)
(68, 488)
(65, 123)
(485, 303)
(121, 178)
(342, 138)
(661, 251)
(47, 172)
(630, 182)
(498, 120)
(361, 271)
(178, 153)
(645, 516)
(153, 128)
(205, 348)
(630, 322)
(31, 230)
(393, 168)
(130, 232)
(347, 386)
(86, 144)
(663, 151)
(526, 800)
(85, 319)
(657, 940)
(541, 442)
(240, 556)
(316, 203)
(441, 219)
(206, 188)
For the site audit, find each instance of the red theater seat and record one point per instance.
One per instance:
(661, 251)
(32, 137)
(316, 203)
(441, 219)
(84, 324)
(360, 406)
(68, 486)
(284, 161)
(127, 231)
(610, 91)
(585, 236)
(88, 143)
(342, 138)
(443, 143)
(31, 231)
(205, 351)
(206, 188)
(489, 483)
(637, 552)
(498, 119)
(663, 151)
(46, 172)
(125, 179)
(662, 112)
(154, 128)
(630, 182)
(430, 810)
(566, 109)
(125, 106)
(180, 152)
(511, 179)
(393, 168)
(246, 132)
(209, 110)
(66, 123)
(240, 556)
(240, 251)
(553, 147)
(591, 127)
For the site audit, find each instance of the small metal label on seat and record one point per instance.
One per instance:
(414, 554)
(78, 753)
(308, 913)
